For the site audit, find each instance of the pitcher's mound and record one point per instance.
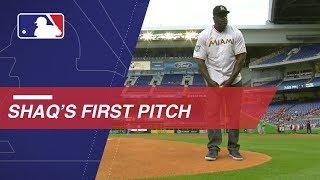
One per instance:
(130, 158)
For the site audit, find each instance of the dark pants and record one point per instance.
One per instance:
(215, 135)
(309, 129)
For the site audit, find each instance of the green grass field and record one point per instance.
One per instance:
(294, 156)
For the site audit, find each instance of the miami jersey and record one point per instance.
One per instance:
(219, 49)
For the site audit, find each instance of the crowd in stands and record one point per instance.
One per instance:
(293, 115)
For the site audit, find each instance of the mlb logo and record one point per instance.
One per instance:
(40, 25)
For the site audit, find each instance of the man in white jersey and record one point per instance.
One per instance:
(220, 53)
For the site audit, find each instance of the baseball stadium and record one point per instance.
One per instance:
(284, 53)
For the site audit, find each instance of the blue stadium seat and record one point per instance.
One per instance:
(172, 80)
(143, 80)
(198, 80)
(275, 59)
(306, 52)
(316, 82)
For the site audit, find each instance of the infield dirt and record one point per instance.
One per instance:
(132, 158)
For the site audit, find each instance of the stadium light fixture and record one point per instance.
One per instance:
(191, 35)
(148, 36)
(168, 36)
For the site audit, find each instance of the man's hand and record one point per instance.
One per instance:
(240, 58)
(227, 83)
(204, 72)
(213, 84)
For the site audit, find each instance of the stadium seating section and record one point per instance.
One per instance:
(143, 81)
(293, 54)
(306, 52)
(275, 59)
(170, 80)
(285, 113)
(293, 113)
(316, 81)
(198, 80)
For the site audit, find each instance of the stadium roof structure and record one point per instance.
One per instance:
(259, 35)
(294, 11)
(290, 22)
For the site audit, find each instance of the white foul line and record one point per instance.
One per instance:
(32, 97)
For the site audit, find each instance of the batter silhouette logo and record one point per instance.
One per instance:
(40, 25)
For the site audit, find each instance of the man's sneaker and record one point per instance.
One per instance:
(212, 155)
(234, 154)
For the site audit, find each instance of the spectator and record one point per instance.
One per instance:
(308, 127)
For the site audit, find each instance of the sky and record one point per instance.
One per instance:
(198, 13)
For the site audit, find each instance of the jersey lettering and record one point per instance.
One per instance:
(218, 42)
